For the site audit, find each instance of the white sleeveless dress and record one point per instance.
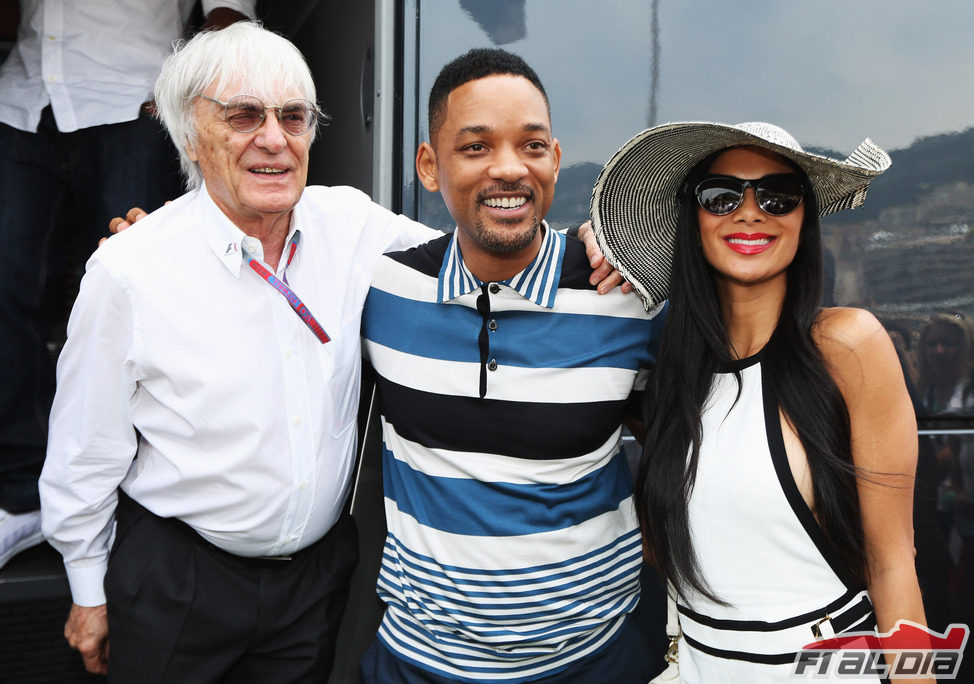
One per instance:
(759, 549)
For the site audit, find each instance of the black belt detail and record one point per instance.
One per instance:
(760, 626)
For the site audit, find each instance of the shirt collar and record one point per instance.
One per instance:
(538, 282)
(225, 239)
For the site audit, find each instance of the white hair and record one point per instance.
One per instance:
(264, 63)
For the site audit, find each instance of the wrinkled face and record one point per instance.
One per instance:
(495, 163)
(748, 246)
(255, 176)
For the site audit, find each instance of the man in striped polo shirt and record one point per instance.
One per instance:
(513, 552)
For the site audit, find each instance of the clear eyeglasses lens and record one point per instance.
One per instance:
(245, 113)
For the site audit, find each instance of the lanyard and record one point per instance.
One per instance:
(299, 307)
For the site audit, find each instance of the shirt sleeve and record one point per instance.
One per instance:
(401, 232)
(248, 7)
(91, 440)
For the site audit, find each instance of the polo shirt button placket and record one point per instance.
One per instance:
(492, 326)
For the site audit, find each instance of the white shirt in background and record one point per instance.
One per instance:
(94, 61)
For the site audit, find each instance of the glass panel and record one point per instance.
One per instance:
(831, 72)
(863, 69)
(577, 48)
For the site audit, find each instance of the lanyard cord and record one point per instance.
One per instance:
(299, 307)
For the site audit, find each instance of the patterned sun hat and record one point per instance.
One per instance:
(635, 204)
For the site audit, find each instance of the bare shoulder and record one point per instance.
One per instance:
(847, 327)
(856, 347)
(860, 357)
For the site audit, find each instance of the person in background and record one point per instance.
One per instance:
(776, 486)
(207, 391)
(900, 336)
(513, 552)
(933, 563)
(77, 140)
(945, 364)
(947, 389)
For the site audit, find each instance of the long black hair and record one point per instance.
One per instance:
(694, 347)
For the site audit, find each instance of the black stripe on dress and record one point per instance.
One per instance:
(779, 458)
(764, 659)
(762, 626)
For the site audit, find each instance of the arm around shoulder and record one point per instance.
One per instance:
(397, 232)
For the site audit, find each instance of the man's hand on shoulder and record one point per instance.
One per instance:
(119, 223)
(603, 275)
(221, 17)
(87, 631)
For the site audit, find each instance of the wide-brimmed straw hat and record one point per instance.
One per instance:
(635, 202)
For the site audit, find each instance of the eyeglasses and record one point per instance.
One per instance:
(776, 195)
(246, 113)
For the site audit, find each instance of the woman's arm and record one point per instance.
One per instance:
(863, 362)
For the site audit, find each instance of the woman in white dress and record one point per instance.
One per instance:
(776, 485)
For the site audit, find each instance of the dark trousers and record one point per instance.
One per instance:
(181, 610)
(57, 194)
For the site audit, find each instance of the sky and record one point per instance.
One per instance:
(832, 72)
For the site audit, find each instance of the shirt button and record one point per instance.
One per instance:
(288, 353)
(52, 37)
(492, 365)
(303, 486)
(492, 325)
(298, 421)
(52, 79)
(494, 288)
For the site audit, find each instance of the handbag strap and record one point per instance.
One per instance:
(672, 613)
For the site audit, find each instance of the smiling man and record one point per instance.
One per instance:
(513, 552)
(207, 392)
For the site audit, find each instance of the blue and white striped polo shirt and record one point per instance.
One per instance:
(513, 549)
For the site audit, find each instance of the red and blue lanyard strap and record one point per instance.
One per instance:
(299, 307)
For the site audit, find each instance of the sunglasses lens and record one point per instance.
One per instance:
(779, 195)
(245, 113)
(776, 195)
(719, 196)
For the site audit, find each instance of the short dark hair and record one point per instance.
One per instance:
(475, 64)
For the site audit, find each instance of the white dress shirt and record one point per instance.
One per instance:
(94, 61)
(243, 421)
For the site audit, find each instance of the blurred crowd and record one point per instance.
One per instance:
(938, 360)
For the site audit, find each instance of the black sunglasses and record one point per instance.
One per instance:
(776, 195)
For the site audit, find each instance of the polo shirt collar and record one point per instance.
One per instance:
(223, 236)
(537, 283)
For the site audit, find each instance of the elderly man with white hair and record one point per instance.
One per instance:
(207, 392)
